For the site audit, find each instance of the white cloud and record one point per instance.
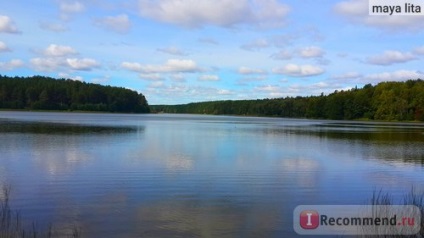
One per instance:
(306, 52)
(209, 77)
(54, 50)
(348, 75)
(67, 9)
(394, 76)
(67, 76)
(77, 78)
(172, 50)
(224, 13)
(55, 58)
(101, 80)
(71, 7)
(256, 45)
(120, 23)
(170, 66)
(46, 64)
(55, 27)
(311, 52)
(269, 12)
(390, 57)
(419, 50)
(224, 92)
(246, 70)
(357, 11)
(7, 25)
(282, 55)
(273, 91)
(4, 47)
(11, 65)
(271, 88)
(158, 91)
(84, 64)
(299, 70)
(153, 77)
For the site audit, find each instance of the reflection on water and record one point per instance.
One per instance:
(390, 142)
(7, 126)
(179, 162)
(206, 218)
(126, 175)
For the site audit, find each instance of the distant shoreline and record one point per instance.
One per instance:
(199, 114)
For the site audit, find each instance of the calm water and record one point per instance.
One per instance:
(120, 175)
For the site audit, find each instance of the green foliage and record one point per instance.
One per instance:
(397, 101)
(44, 93)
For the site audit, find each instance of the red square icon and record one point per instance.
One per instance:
(309, 219)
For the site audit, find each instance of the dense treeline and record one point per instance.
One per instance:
(44, 93)
(385, 101)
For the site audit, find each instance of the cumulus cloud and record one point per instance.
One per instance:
(119, 24)
(223, 13)
(247, 70)
(4, 47)
(209, 77)
(357, 11)
(299, 70)
(394, 76)
(54, 50)
(67, 9)
(49, 64)
(7, 25)
(57, 57)
(311, 52)
(170, 66)
(84, 64)
(45, 64)
(390, 57)
(11, 65)
(172, 50)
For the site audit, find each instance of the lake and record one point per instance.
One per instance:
(165, 175)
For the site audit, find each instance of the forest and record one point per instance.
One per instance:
(386, 101)
(44, 93)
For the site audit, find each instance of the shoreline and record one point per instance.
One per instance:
(363, 120)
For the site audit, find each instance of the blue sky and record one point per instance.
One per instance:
(180, 51)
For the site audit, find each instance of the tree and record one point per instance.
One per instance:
(40, 92)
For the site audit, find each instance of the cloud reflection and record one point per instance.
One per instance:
(179, 162)
(206, 218)
(306, 172)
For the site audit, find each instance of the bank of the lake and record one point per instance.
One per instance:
(386, 101)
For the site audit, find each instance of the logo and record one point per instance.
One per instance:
(309, 219)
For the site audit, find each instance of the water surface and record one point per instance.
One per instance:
(130, 175)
